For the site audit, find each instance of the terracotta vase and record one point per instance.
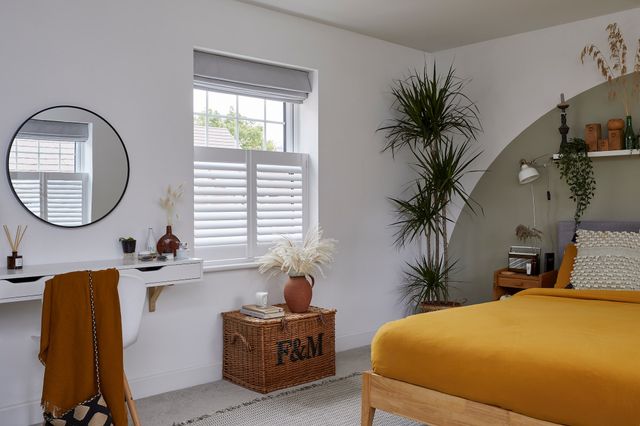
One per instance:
(298, 292)
(168, 243)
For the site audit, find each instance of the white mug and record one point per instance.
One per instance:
(262, 299)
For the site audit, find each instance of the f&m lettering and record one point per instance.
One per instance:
(295, 350)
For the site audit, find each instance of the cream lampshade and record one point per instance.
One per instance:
(527, 173)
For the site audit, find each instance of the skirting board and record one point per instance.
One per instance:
(29, 413)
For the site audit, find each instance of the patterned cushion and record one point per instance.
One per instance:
(607, 261)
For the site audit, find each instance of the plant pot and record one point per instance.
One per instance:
(297, 293)
(128, 246)
(437, 306)
(168, 243)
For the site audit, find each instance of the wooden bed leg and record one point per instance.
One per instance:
(368, 411)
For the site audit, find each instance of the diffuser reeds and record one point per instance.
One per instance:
(14, 242)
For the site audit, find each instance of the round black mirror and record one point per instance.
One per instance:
(68, 166)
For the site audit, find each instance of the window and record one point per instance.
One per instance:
(48, 173)
(250, 188)
(223, 120)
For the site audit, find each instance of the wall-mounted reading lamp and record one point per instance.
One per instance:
(528, 174)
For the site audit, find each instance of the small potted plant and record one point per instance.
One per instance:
(300, 262)
(128, 245)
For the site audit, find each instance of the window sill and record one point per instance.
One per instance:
(213, 267)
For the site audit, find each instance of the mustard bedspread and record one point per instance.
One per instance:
(565, 356)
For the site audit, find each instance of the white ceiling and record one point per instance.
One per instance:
(433, 25)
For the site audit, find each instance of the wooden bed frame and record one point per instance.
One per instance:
(432, 407)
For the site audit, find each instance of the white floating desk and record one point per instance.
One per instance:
(28, 283)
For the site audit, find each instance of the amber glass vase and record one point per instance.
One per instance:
(168, 243)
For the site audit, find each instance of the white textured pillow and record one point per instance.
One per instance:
(607, 261)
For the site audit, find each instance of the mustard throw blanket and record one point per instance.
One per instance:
(66, 345)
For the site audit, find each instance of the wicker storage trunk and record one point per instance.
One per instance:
(266, 355)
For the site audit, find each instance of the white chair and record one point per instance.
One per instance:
(132, 294)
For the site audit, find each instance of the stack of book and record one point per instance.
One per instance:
(268, 312)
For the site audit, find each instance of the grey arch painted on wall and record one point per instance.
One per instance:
(481, 242)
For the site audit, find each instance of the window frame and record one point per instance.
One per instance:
(214, 257)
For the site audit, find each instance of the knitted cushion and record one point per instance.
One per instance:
(607, 261)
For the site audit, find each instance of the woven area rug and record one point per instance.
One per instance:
(334, 402)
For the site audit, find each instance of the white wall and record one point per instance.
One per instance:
(517, 79)
(131, 62)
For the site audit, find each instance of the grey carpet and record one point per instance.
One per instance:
(334, 402)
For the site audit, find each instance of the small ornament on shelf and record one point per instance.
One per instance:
(151, 242)
(592, 134)
(563, 129)
(14, 261)
(169, 243)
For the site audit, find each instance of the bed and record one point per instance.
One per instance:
(544, 357)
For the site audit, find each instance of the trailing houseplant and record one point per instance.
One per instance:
(576, 169)
(437, 123)
(300, 263)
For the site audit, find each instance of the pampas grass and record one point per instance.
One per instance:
(615, 69)
(169, 201)
(290, 258)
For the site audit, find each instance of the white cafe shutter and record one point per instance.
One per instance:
(59, 198)
(220, 203)
(280, 181)
(243, 77)
(66, 198)
(27, 188)
(246, 200)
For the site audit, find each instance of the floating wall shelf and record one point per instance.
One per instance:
(614, 153)
(28, 283)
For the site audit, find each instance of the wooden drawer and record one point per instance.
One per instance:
(16, 289)
(516, 282)
(167, 274)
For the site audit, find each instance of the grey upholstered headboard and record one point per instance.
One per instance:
(566, 230)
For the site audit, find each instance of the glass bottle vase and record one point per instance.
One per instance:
(630, 141)
(151, 241)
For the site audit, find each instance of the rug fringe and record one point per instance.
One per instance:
(268, 397)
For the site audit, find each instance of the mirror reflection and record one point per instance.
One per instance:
(68, 166)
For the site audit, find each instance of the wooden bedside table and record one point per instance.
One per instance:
(505, 282)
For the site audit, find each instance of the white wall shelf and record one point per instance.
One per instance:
(28, 283)
(613, 153)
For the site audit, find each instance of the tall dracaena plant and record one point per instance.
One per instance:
(437, 123)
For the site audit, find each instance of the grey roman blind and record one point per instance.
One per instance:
(54, 130)
(243, 77)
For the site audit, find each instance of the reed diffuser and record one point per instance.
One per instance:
(14, 261)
